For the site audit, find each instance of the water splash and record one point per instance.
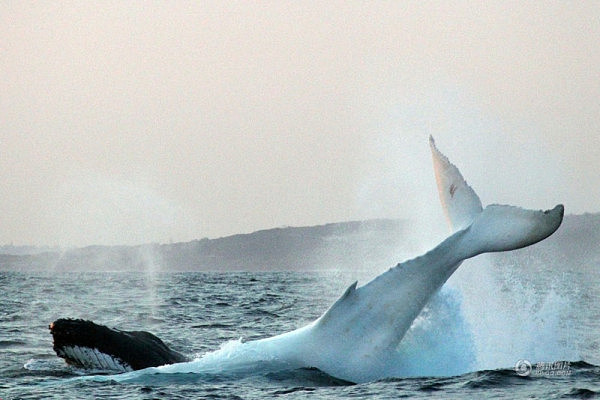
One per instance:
(150, 260)
(512, 318)
(439, 342)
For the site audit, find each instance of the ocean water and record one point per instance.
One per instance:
(465, 344)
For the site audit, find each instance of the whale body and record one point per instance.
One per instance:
(356, 338)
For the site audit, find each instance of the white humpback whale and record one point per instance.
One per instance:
(357, 337)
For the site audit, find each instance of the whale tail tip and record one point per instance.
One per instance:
(503, 227)
(460, 202)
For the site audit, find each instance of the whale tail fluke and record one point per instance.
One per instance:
(495, 228)
(460, 202)
(503, 228)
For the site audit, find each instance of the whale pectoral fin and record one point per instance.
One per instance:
(460, 202)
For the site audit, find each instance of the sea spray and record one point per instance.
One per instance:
(148, 257)
(439, 342)
(510, 317)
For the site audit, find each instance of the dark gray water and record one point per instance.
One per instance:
(198, 312)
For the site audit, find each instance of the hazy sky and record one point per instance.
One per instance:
(133, 122)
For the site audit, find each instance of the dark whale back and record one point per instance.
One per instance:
(131, 349)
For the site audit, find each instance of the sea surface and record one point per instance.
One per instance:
(466, 344)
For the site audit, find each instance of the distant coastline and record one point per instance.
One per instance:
(360, 244)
